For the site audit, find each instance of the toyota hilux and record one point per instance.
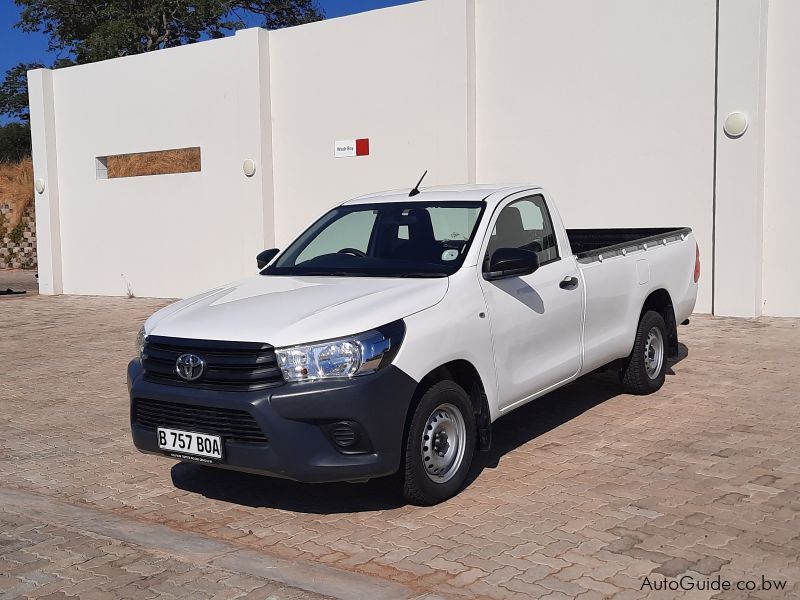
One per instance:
(390, 335)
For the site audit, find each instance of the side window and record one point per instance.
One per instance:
(525, 223)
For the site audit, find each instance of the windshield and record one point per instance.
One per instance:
(397, 239)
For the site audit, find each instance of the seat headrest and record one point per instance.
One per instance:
(509, 225)
(422, 229)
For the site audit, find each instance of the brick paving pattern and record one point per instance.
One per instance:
(585, 492)
(42, 560)
(18, 280)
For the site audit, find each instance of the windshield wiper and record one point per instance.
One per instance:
(420, 274)
(333, 274)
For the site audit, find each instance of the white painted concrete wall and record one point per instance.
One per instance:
(397, 76)
(45, 167)
(781, 259)
(165, 235)
(608, 103)
(740, 161)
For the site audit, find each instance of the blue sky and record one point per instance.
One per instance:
(16, 46)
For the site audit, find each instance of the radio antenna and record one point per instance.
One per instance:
(415, 191)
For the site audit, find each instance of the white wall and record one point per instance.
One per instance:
(609, 104)
(45, 167)
(740, 161)
(781, 261)
(397, 76)
(165, 235)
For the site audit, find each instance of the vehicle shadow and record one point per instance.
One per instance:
(528, 423)
(552, 410)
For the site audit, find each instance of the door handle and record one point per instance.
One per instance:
(568, 283)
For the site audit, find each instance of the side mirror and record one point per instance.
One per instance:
(263, 258)
(511, 262)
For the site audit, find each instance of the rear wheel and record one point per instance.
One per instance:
(645, 370)
(439, 446)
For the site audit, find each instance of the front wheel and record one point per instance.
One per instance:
(646, 367)
(439, 446)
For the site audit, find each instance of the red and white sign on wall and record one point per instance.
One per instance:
(347, 148)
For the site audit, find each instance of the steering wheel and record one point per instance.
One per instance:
(353, 251)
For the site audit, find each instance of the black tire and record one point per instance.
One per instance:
(418, 486)
(634, 376)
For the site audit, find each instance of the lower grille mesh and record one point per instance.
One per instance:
(236, 425)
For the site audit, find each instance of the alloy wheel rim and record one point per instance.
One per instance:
(654, 353)
(443, 443)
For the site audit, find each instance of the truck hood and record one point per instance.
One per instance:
(284, 311)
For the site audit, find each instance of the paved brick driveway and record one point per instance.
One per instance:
(19, 280)
(586, 492)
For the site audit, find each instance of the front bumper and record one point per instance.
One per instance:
(296, 418)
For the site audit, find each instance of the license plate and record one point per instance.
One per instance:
(189, 442)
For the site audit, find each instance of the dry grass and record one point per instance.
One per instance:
(183, 160)
(16, 189)
(16, 179)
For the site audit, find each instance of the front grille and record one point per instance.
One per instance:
(234, 366)
(237, 425)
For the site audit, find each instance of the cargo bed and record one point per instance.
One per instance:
(591, 245)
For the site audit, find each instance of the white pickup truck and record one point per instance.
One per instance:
(389, 336)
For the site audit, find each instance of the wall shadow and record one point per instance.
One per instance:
(518, 289)
(510, 432)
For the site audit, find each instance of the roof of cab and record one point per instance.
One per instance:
(439, 193)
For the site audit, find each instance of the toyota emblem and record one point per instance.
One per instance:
(189, 367)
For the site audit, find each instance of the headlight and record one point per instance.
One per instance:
(140, 338)
(347, 357)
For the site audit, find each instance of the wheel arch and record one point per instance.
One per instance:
(464, 373)
(660, 301)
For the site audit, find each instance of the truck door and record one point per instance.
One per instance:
(535, 319)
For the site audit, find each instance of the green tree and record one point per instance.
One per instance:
(14, 91)
(15, 142)
(95, 30)
(14, 88)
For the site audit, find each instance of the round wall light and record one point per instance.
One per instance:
(249, 167)
(735, 124)
(39, 185)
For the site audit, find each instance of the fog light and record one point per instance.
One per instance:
(343, 434)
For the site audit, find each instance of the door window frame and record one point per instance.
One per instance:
(496, 214)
